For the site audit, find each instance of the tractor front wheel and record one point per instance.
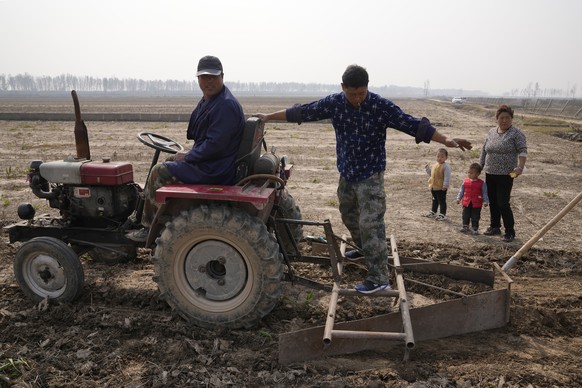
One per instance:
(218, 266)
(46, 267)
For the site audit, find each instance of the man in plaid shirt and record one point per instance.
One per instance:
(360, 119)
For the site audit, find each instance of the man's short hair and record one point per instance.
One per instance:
(355, 77)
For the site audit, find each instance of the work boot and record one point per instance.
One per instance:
(354, 255)
(369, 288)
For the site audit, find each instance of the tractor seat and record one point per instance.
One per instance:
(250, 147)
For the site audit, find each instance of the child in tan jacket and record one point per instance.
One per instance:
(438, 183)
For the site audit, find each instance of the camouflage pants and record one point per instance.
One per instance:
(362, 206)
(159, 177)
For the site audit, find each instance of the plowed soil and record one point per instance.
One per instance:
(121, 333)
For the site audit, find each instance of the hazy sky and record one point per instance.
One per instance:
(487, 45)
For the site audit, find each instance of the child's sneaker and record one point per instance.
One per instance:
(429, 214)
(474, 231)
(369, 288)
(464, 229)
(440, 217)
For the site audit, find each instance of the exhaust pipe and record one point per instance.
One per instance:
(81, 137)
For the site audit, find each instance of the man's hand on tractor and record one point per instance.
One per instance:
(176, 157)
(280, 115)
(180, 156)
(263, 117)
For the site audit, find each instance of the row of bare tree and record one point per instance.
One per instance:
(64, 82)
(535, 90)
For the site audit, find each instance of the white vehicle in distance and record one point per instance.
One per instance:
(458, 100)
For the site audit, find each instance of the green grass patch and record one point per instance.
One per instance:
(332, 203)
(547, 125)
(11, 369)
(25, 125)
(13, 172)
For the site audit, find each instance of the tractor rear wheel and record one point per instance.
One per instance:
(46, 267)
(287, 208)
(218, 266)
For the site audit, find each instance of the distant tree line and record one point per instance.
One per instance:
(535, 90)
(65, 82)
(26, 83)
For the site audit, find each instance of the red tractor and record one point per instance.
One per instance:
(219, 252)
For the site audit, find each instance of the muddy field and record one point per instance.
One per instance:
(120, 333)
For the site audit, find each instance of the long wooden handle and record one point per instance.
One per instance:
(541, 232)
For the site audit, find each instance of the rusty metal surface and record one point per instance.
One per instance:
(476, 275)
(484, 311)
(81, 135)
(466, 314)
(403, 301)
(330, 332)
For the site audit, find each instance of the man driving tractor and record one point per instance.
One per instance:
(216, 126)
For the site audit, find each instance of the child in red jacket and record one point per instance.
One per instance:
(473, 195)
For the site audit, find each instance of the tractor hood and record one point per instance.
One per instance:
(74, 172)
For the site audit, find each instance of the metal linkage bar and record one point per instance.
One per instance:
(334, 252)
(404, 304)
(437, 288)
(330, 332)
(381, 335)
(330, 320)
(336, 268)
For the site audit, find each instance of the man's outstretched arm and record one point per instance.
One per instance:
(280, 115)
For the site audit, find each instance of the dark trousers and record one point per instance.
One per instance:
(472, 214)
(439, 198)
(499, 191)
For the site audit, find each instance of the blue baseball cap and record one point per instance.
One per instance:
(209, 65)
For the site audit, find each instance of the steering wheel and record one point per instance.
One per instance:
(159, 142)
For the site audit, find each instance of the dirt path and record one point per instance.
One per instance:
(121, 334)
